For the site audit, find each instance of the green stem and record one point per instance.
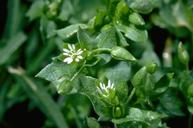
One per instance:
(131, 95)
(93, 64)
(100, 50)
(76, 74)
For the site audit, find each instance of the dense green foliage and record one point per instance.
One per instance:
(102, 59)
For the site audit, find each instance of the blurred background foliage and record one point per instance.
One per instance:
(27, 43)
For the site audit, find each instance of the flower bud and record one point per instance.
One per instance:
(120, 53)
(183, 54)
(117, 112)
(52, 9)
(151, 68)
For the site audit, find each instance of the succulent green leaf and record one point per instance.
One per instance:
(170, 103)
(144, 117)
(107, 38)
(144, 83)
(99, 19)
(121, 72)
(92, 122)
(133, 33)
(149, 57)
(136, 19)
(56, 70)
(85, 40)
(143, 6)
(121, 39)
(121, 11)
(139, 77)
(64, 87)
(163, 84)
(68, 31)
(120, 53)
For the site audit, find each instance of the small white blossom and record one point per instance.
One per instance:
(72, 54)
(105, 90)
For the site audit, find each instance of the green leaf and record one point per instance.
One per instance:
(50, 30)
(190, 90)
(184, 81)
(92, 122)
(177, 15)
(121, 11)
(120, 53)
(149, 56)
(56, 71)
(99, 19)
(89, 88)
(133, 33)
(121, 39)
(80, 103)
(163, 84)
(107, 38)
(190, 98)
(66, 10)
(145, 117)
(65, 87)
(139, 77)
(85, 40)
(136, 19)
(12, 45)
(104, 58)
(36, 10)
(144, 83)
(143, 6)
(170, 103)
(70, 30)
(119, 73)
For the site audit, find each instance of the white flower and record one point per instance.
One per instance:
(72, 54)
(106, 90)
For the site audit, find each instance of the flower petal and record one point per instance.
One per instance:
(66, 50)
(79, 52)
(80, 57)
(70, 47)
(77, 60)
(68, 60)
(73, 46)
(65, 54)
(109, 84)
